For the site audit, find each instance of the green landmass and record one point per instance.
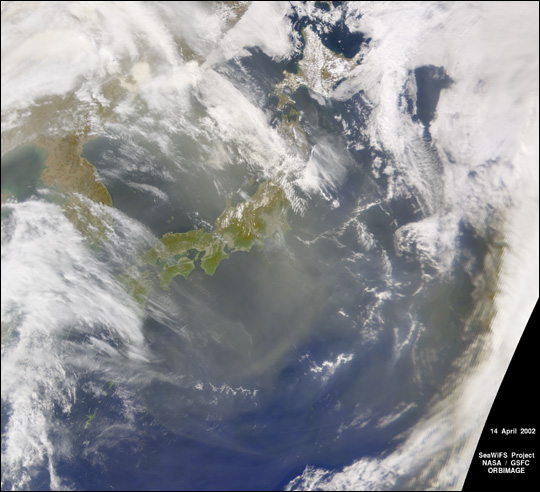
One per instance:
(89, 419)
(238, 228)
(110, 384)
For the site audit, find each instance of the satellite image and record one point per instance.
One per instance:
(262, 245)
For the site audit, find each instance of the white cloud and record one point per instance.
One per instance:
(328, 368)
